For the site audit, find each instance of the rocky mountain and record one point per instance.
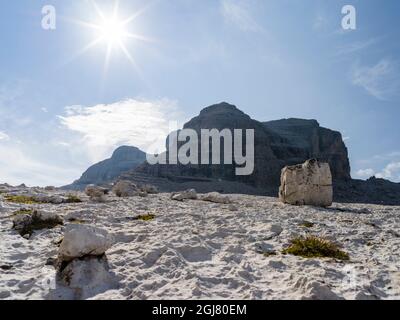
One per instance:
(306, 139)
(277, 144)
(123, 159)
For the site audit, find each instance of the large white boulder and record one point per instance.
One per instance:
(309, 183)
(82, 240)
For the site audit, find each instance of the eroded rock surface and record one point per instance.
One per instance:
(307, 184)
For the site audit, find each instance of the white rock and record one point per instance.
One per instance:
(189, 194)
(78, 215)
(307, 184)
(21, 222)
(232, 207)
(317, 291)
(82, 240)
(125, 188)
(216, 197)
(24, 223)
(95, 193)
(47, 216)
(88, 277)
(275, 228)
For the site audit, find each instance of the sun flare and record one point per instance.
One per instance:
(113, 31)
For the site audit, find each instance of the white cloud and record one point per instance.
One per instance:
(57, 152)
(379, 158)
(4, 136)
(381, 80)
(365, 173)
(356, 46)
(102, 128)
(238, 13)
(391, 172)
(18, 166)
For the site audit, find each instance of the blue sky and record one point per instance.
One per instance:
(62, 109)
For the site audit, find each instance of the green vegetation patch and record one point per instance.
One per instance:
(21, 199)
(315, 247)
(22, 212)
(73, 199)
(146, 217)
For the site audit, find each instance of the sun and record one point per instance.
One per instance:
(113, 31)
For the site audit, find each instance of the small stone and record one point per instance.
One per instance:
(125, 188)
(25, 224)
(276, 228)
(232, 207)
(96, 193)
(149, 189)
(189, 194)
(216, 198)
(5, 294)
(143, 194)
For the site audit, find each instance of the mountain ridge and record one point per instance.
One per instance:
(124, 158)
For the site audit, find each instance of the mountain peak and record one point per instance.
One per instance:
(126, 153)
(221, 108)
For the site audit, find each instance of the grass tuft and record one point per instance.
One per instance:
(21, 199)
(73, 199)
(314, 247)
(146, 217)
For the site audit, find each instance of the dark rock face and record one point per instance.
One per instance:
(373, 191)
(305, 139)
(277, 144)
(123, 159)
